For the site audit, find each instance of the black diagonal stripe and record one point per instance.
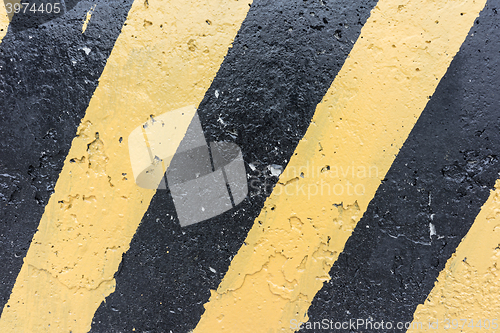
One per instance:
(282, 62)
(46, 82)
(442, 176)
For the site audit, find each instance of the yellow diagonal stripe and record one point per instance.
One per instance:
(165, 58)
(403, 51)
(466, 296)
(4, 21)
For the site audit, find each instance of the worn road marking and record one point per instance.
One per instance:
(164, 59)
(402, 53)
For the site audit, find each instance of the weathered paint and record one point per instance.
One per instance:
(465, 296)
(48, 77)
(282, 63)
(362, 122)
(429, 198)
(95, 209)
(87, 18)
(263, 96)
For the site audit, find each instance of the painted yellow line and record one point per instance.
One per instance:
(164, 59)
(4, 21)
(403, 51)
(469, 286)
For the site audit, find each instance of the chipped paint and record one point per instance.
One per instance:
(94, 212)
(364, 119)
(87, 18)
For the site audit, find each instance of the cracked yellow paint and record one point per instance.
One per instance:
(469, 285)
(403, 51)
(96, 207)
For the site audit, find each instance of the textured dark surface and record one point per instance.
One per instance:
(46, 82)
(442, 175)
(282, 62)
